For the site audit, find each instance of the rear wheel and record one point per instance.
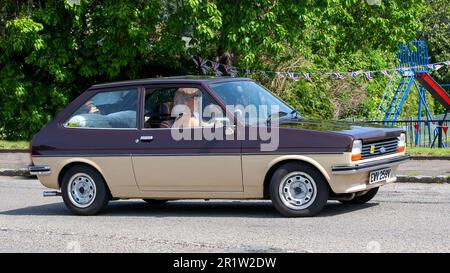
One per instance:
(155, 201)
(362, 198)
(84, 190)
(298, 190)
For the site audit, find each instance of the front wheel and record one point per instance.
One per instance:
(84, 190)
(362, 198)
(298, 190)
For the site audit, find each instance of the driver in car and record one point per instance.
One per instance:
(186, 108)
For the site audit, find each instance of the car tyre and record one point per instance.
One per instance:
(84, 190)
(298, 190)
(362, 198)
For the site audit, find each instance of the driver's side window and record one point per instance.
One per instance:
(179, 107)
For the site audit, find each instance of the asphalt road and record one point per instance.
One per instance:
(401, 218)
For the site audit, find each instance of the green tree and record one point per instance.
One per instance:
(436, 30)
(50, 51)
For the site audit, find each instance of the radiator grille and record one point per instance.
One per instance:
(380, 148)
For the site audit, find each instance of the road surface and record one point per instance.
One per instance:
(402, 218)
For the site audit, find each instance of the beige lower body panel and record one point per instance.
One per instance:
(255, 167)
(119, 175)
(120, 178)
(199, 173)
(116, 170)
(173, 195)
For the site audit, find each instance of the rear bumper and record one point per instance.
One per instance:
(369, 166)
(39, 170)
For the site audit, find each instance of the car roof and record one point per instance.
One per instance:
(162, 80)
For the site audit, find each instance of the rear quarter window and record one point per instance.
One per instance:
(110, 109)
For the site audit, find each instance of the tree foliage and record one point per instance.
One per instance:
(436, 31)
(50, 51)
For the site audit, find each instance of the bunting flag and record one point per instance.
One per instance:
(368, 75)
(435, 66)
(293, 76)
(215, 68)
(354, 74)
(307, 76)
(208, 66)
(337, 75)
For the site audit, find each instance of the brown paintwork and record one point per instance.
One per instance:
(320, 143)
(296, 136)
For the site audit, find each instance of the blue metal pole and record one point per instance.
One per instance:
(419, 118)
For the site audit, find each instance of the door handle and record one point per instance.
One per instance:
(145, 138)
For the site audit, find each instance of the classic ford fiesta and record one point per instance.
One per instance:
(178, 138)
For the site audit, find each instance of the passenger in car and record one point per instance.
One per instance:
(88, 108)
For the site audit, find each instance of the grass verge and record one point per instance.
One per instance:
(418, 151)
(6, 144)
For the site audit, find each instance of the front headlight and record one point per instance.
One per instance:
(356, 150)
(401, 145)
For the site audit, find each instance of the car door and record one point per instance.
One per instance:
(165, 162)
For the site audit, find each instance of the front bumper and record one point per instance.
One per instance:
(369, 166)
(39, 170)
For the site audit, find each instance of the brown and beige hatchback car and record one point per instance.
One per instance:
(207, 138)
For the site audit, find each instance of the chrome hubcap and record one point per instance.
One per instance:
(297, 190)
(81, 190)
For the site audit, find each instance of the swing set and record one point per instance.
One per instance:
(413, 73)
